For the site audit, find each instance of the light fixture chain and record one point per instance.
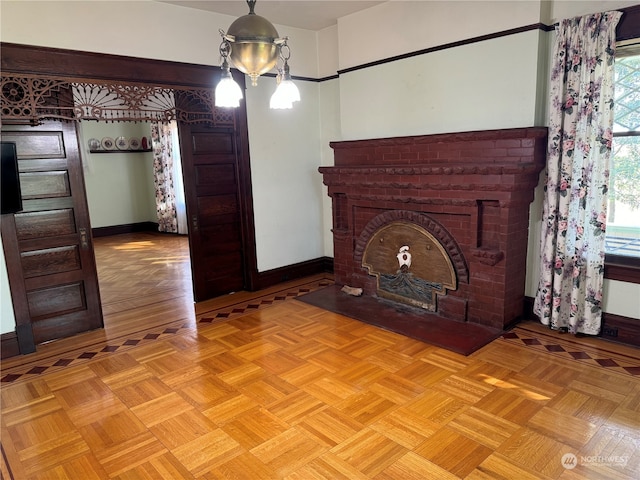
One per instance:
(285, 51)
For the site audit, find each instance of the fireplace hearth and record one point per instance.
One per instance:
(438, 222)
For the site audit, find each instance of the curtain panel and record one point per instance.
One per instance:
(569, 295)
(163, 177)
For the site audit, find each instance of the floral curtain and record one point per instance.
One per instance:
(569, 293)
(161, 136)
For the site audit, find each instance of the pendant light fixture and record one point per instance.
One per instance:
(252, 46)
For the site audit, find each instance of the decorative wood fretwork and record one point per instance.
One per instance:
(32, 99)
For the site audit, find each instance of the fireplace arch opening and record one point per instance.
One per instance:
(413, 258)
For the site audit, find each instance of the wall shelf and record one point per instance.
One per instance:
(122, 151)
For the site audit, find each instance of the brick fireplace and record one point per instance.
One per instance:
(459, 203)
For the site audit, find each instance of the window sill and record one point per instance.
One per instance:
(624, 269)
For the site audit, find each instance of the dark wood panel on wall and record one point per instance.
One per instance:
(74, 63)
(624, 269)
(629, 25)
(9, 345)
(616, 328)
(621, 329)
(272, 277)
(126, 228)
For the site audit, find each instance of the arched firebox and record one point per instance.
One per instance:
(412, 256)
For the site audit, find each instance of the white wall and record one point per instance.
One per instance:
(287, 190)
(136, 28)
(399, 27)
(7, 317)
(466, 88)
(119, 185)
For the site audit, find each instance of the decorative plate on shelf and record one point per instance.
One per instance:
(122, 143)
(108, 143)
(134, 143)
(94, 144)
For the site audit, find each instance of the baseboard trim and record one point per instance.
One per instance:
(127, 228)
(621, 329)
(9, 345)
(616, 328)
(273, 277)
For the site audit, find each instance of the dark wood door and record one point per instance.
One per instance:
(210, 162)
(48, 247)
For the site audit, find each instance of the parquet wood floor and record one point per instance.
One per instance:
(262, 386)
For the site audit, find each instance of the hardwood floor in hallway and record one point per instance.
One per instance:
(258, 385)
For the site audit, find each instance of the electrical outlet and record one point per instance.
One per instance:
(609, 332)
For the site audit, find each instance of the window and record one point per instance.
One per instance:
(623, 217)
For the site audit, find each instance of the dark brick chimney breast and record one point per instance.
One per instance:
(468, 191)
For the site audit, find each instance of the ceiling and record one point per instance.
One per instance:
(306, 14)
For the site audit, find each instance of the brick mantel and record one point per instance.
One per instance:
(476, 185)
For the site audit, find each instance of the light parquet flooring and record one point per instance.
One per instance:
(261, 386)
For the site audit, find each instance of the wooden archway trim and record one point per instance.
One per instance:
(79, 66)
(74, 64)
(36, 86)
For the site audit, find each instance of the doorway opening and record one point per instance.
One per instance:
(135, 194)
(144, 280)
(45, 86)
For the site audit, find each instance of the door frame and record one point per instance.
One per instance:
(46, 63)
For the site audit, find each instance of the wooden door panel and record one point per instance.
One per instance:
(221, 273)
(51, 252)
(56, 300)
(50, 261)
(44, 185)
(217, 205)
(38, 144)
(52, 223)
(217, 143)
(60, 326)
(218, 241)
(216, 179)
(210, 164)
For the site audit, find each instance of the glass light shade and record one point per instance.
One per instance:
(286, 93)
(228, 92)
